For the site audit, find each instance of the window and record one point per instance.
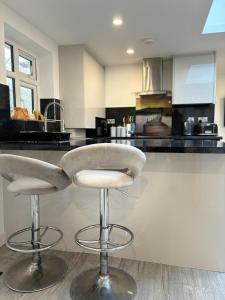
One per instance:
(21, 77)
(25, 65)
(27, 98)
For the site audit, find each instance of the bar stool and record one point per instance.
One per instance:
(104, 167)
(28, 176)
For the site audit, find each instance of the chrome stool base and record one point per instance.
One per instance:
(118, 285)
(26, 276)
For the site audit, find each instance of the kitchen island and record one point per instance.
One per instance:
(176, 208)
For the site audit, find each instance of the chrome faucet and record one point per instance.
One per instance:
(46, 120)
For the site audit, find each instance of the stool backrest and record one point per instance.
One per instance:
(127, 159)
(14, 166)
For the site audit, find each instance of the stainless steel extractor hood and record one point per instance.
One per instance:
(152, 77)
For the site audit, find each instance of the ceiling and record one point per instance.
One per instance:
(175, 26)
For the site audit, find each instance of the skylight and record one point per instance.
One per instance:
(216, 18)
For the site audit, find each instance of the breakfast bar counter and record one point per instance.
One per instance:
(170, 144)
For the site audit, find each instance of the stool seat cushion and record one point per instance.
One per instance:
(31, 186)
(102, 179)
(116, 165)
(32, 176)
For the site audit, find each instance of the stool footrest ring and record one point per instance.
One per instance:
(19, 246)
(109, 246)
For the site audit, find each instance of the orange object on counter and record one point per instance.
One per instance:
(20, 113)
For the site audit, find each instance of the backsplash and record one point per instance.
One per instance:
(154, 115)
(118, 113)
(182, 112)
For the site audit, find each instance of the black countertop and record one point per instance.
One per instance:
(170, 145)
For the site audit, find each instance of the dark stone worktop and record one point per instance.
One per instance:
(170, 145)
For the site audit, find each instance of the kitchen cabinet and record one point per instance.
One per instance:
(82, 87)
(194, 79)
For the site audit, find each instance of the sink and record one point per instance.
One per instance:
(36, 136)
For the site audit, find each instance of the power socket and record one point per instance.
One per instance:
(111, 121)
(203, 119)
(191, 119)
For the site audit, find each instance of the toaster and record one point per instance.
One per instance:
(204, 128)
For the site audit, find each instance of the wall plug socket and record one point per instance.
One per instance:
(111, 121)
(203, 119)
(191, 119)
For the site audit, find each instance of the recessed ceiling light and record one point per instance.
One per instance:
(147, 41)
(117, 21)
(130, 51)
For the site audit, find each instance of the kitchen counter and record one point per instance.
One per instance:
(171, 144)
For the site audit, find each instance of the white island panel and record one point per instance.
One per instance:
(176, 209)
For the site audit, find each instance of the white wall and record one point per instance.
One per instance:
(175, 208)
(121, 83)
(220, 89)
(46, 78)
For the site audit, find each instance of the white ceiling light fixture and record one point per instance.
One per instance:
(117, 21)
(148, 41)
(130, 51)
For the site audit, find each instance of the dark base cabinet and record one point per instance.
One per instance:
(4, 102)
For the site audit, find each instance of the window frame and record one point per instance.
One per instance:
(12, 56)
(29, 86)
(22, 79)
(29, 57)
(14, 89)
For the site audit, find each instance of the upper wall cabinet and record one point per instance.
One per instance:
(194, 79)
(82, 87)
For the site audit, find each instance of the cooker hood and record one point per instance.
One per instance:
(152, 77)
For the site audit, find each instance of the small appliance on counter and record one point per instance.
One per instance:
(100, 130)
(204, 128)
(101, 127)
(127, 130)
(189, 126)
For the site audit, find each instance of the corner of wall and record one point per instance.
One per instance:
(2, 42)
(220, 92)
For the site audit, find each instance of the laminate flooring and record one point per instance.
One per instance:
(154, 281)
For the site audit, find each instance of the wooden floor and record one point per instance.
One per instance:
(154, 281)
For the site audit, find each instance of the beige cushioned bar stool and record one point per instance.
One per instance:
(103, 166)
(33, 177)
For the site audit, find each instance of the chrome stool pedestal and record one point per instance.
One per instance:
(28, 277)
(38, 272)
(103, 166)
(90, 285)
(99, 284)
